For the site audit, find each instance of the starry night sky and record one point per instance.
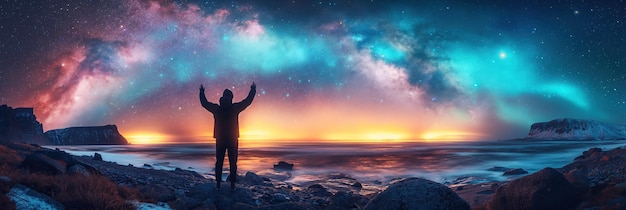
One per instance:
(333, 70)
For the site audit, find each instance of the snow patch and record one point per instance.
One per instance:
(150, 206)
(25, 198)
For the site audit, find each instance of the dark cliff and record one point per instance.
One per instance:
(101, 135)
(20, 125)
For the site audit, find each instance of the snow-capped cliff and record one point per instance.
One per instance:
(107, 134)
(574, 129)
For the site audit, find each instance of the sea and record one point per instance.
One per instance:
(373, 164)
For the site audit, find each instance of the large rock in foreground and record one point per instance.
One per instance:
(416, 193)
(573, 129)
(101, 135)
(56, 162)
(545, 189)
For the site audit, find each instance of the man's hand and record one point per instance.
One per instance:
(253, 86)
(201, 88)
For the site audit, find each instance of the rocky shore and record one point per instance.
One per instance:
(32, 175)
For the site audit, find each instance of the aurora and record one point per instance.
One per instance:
(326, 71)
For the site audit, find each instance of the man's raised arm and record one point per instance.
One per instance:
(211, 107)
(248, 100)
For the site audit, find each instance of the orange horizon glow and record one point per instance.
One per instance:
(147, 138)
(313, 120)
(257, 137)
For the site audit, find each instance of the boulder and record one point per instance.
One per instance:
(189, 203)
(77, 170)
(55, 162)
(158, 192)
(318, 190)
(590, 153)
(40, 162)
(545, 189)
(252, 179)
(279, 198)
(97, 156)
(345, 200)
(221, 199)
(578, 178)
(357, 185)
(514, 171)
(498, 169)
(417, 193)
(188, 173)
(26, 198)
(283, 166)
(288, 205)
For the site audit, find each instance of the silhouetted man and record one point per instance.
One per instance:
(226, 130)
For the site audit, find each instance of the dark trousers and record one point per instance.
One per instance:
(221, 145)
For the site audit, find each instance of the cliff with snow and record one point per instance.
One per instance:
(575, 129)
(98, 135)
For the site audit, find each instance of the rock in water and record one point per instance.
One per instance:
(545, 189)
(95, 135)
(498, 168)
(417, 193)
(283, 166)
(574, 129)
(514, 171)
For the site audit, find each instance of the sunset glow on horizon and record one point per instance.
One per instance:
(263, 136)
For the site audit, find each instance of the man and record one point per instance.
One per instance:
(226, 130)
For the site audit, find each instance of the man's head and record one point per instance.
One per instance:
(227, 97)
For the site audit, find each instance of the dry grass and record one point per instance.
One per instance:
(82, 192)
(73, 191)
(9, 156)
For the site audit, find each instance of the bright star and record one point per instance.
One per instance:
(502, 55)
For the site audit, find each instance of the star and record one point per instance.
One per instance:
(502, 55)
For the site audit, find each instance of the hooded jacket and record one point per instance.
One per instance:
(226, 114)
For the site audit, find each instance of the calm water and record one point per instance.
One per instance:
(368, 163)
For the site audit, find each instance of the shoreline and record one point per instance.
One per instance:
(443, 163)
(182, 188)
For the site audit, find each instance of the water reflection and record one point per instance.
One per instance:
(369, 163)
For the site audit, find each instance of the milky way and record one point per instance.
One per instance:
(324, 69)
